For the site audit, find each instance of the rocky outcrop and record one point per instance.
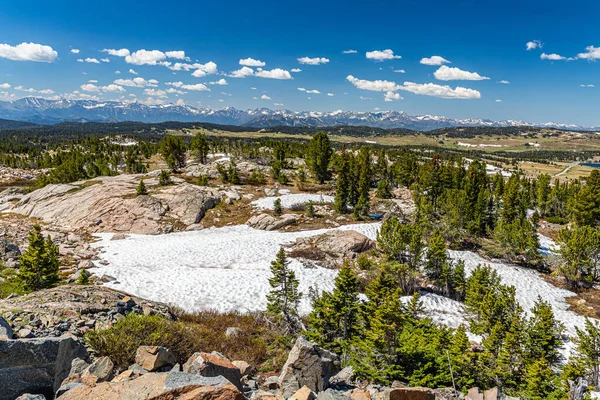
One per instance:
(109, 204)
(36, 365)
(212, 365)
(308, 365)
(331, 248)
(159, 386)
(267, 222)
(6, 331)
(151, 358)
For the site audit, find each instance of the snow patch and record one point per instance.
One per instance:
(291, 200)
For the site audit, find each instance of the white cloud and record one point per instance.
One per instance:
(105, 60)
(498, 101)
(552, 57)
(434, 60)
(330, 94)
(28, 52)
(313, 61)
(251, 62)
(278, 104)
(366, 98)
(534, 44)
(593, 53)
(197, 87)
(136, 82)
(46, 91)
(587, 86)
(350, 51)
(504, 82)
(155, 93)
(92, 81)
(302, 89)
(172, 90)
(113, 88)
(132, 71)
(400, 71)
(75, 51)
(90, 87)
(221, 82)
(80, 60)
(253, 88)
(445, 73)
(242, 72)
(204, 69)
(377, 86)
(117, 72)
(314, 91)
(145, 57)
(92, 60)
(381, 55)
(4, 86)
(444, 92)
(178, 54)
(391, 96)
(117, 53)
(276, 73)
(296, 70)
(265, 97)
(23, 89)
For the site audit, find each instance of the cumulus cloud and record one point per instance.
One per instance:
(242, 72)
(552, 57)
(445, 73)
(4, 86)
(330, 94)
(90, 87)
(177, 54)
(117, 53)
(381, 55)
(92, 60)
(504, 82)
(592, 53)
(75, 51)
(276, 73)
(113, 88)
(400, 71)
(296, 70)
(350, 51)
(391, 96)
(434, 60)
(265, 97)
(136, 82)
(132, 71)
(46, 91)
(28, 52)
(145, 57)
(444, 92)
(199, 87)
(534, 44)
(314, 91)
(155, 93)
(106, 60)
(221, 82)
(498, 101)
(24, 89)
(587, 86)
(204, 69)
(377, 86)
(313, 61)
(251, 62)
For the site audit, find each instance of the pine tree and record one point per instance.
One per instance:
(172, 150)
(588, 350)
(164, 179)
(200, 146)
(363, 203)
(277, 207)
(310, 210)
(437, 259)
(318, 155)
(39, 263)
(233, 172)
(284, 297)
(401, 242)
(141, 189)
(541, 383)
(335, 316)
(544, 334)
(384, 189)
(579, 255)
(340, 204)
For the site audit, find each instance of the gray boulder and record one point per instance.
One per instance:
(308, 365)
(36, 365)
(6, 331)
(267, 222)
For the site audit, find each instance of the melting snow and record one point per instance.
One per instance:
(290, 200)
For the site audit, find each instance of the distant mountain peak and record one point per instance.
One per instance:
(39, 110)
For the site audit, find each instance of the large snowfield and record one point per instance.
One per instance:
(227, 269)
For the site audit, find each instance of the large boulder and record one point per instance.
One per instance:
(330, 249)
(159, 386)
(308, 365)
(6, 331)
(212, 365)
(267, 222)
(152, 358)
(109, 204)
(101, 370)
(36, 365)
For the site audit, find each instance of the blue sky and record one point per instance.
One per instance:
(189, 45)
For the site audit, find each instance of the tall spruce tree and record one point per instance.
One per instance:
(201, 147)
(342, 184)
(363, 203)
(284, 297)
(39, 263)
(318, 155)
(172, 150)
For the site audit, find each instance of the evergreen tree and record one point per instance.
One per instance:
(588, 351)
(318, 155)
(39, 263)
(277, 207)
(141, 189)
(541, 383)
(200, 146)
(544, 334)
(164, 179)
(335, 316)
(579, 255)
(437, 259)
(401, 242)
(310, 210)
(172, 150)
(284, 297)
(340, 204)
(233, 172)
(363, 203)
(384, 189)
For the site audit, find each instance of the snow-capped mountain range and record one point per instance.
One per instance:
(38, 110)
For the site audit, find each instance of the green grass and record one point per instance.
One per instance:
(9, 282)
